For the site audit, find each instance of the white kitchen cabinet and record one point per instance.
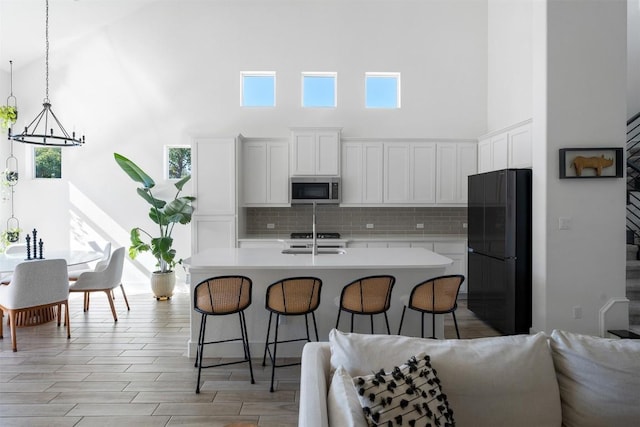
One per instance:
(410, 173)
(213, 231)
(265, 172)
(214, 181)
(214, 176)
(519, 147)
(362, 172)
(507, 148)
(315, 151)
(263, 243)
(456, 161)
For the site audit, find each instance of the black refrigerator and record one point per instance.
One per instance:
(499, 262)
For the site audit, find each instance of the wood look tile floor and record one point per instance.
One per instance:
(135, 371)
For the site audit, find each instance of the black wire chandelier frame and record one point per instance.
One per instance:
(36, 132)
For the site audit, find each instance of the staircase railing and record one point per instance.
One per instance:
(633, 179)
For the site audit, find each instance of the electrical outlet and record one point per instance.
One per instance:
(419, 225)
(271, 226)
(464, 225)
(369, 226)
(577, 312)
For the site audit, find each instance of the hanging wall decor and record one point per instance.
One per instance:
(591, 163)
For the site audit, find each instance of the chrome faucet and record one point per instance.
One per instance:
(313, 231)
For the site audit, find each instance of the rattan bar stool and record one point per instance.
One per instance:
(295, 296)
(367, 296)
(220, 296)
(438, 295)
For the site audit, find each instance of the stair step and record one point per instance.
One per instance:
(624, 334)
(632, 252)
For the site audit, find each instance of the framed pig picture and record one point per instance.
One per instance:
(591, 163)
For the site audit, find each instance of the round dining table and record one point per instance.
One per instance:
(73, 257)
(8, 263)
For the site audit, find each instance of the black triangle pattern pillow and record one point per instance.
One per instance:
(409, 395)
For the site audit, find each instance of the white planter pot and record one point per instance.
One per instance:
(162, 284)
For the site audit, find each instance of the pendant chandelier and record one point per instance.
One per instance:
(46, 129)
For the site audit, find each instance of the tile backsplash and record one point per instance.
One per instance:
(353, 221)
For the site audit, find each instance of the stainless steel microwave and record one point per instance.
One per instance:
(321, 190)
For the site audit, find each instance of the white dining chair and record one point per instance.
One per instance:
(104, 280)
(37, 289)
(105, 250)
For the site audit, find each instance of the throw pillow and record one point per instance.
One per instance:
(489, 381)
(599, 379)
(343, 404)
(409, 395)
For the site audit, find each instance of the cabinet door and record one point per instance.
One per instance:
(467, 164)
(396, 173)
(520, 147)
(499, 147)
(254, 166)
(485, 158)
(372, 166)
(423, 173)
(277, 173)
(303, 157)
(352, 174)
(214, 172)
(327, 153)
(447, 190)
(211, 231)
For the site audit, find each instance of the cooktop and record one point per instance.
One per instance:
(309, 235)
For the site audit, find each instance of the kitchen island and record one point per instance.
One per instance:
(265, 266)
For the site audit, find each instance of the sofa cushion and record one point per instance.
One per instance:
(343, 404)
(410, 394)
(488, 381)
(599, 379)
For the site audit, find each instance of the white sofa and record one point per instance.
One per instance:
(523, 380)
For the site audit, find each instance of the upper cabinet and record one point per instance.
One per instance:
(362, 164)
(315, 151)
(214, 176)
(405, 172)
(508, 148)
(265, 172)
(410, 173)
(456, 161)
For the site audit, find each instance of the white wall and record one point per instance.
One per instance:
(509, 94)
(580, 82)
(172, 71)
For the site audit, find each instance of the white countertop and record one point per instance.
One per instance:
(368, 237)
(268, 258)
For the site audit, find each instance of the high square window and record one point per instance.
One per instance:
(319, 90)
(177, 161)
(382, 90)
(47, 162)
(258, 89)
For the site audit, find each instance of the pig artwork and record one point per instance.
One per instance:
(597, 163)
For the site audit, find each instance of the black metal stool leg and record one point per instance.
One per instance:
(351, 322)
(266, 344)
(401, 319)
(275, 352)
(199, 340)
(201, 350)
(371, 318)
(455, 322)
(315, 325)
(306, 324)
(386, 320)
(243, 324)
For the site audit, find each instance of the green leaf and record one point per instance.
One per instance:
(134, 171)
(182, 182)
(146, 194)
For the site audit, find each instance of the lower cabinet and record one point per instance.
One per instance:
(265, 244)
(212, 231)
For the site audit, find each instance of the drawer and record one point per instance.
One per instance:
(450, 247)
(426, 245)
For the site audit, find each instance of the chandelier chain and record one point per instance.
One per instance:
(46, 60)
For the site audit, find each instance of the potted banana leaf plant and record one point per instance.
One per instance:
(165, 214)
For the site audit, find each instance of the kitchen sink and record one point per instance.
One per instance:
(309, 251)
